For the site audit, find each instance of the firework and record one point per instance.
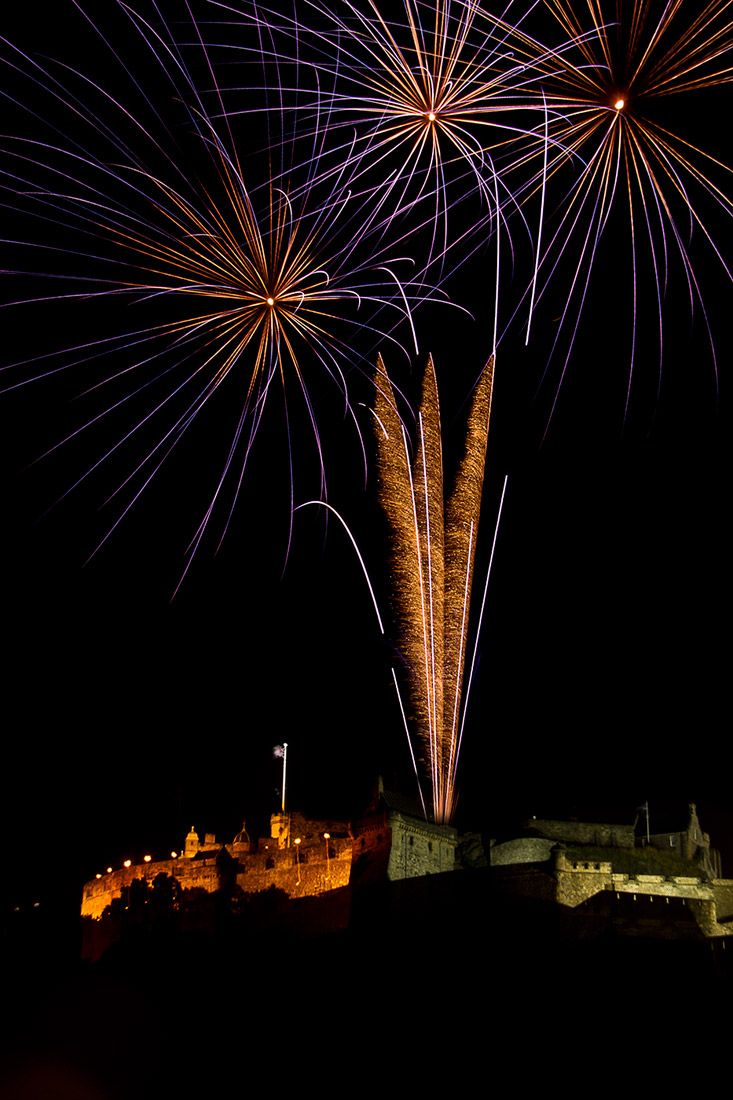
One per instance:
(432, 564)
(627, 188)
(243, 286)
(417, 106)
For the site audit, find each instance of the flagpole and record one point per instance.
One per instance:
(285, 770)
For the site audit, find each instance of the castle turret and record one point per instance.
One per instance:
(192, 843)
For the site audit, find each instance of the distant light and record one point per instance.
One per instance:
(174, 855)
(146, 859)
(109, 870)
(619, 104)
(326, 836)
(127, 863)
(297, 840)
(36, 904)
(271, 301)
(431, 116)
(99, 876)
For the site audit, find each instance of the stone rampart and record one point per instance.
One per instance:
(723, 892)
(102, 891)
(530, 849)
(587, 834)
(579, 880)
(300, 871)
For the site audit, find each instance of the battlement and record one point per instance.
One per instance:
(540, 864)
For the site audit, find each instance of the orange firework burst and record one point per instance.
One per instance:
(632, 56)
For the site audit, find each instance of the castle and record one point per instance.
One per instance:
(598, 877)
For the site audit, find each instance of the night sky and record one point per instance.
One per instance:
(603, 670)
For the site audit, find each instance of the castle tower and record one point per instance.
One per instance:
(192, 843)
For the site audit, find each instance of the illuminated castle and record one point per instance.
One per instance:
(302, 858)
(314, 876)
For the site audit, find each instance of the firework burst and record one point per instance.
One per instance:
(243, 287)
(615, 172)
(417, 105)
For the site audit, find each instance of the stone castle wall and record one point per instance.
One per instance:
(723, 891)
(587, 834)
(579, 880)
(304, 871)
(101, 892)
(419, 848)
(529, 849)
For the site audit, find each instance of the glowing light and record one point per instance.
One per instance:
(147, 859)
(619, 104)
(127, 863)
(109, 870)
(432, 560)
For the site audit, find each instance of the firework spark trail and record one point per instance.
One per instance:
(406, 725)
(344, 524)
(272, 279)
(458, 740)
(432, 562)
(598, 114)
